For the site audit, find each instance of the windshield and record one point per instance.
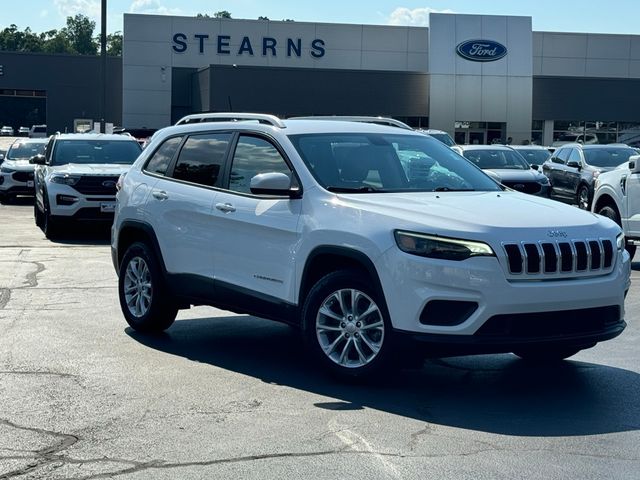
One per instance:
(444, 138)
(497, 159)
(535, 156)
(25, 150)
(364, 163)
(607, 157)
(95, 151)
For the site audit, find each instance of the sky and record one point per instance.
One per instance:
(617, 16)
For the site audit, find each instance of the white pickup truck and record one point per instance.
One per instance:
(617, 196)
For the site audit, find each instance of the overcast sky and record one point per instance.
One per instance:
(617, 16)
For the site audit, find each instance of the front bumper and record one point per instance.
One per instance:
(501, 306)
(10, 186)
(83, 207)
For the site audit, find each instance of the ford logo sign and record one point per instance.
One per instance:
(481, 50)
(109, 184)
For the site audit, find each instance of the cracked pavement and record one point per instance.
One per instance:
(229, 396)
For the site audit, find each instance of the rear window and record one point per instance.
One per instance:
(39, 129)
(95, 151)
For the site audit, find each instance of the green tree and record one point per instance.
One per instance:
(114, 44)
(263, 18)
(55, 42)
(79, 31)
(222, 14)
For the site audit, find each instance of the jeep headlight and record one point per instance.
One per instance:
(65, 179)
(444, 248)
(620, 242)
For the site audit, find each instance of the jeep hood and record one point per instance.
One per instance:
(480, 212)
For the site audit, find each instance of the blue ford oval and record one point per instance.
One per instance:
(481, 50)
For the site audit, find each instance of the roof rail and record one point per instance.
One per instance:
(392, 122)
(231, 117)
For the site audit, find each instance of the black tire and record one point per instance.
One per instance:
(611, 213)
(583, 197)
(544, 354)
(5, 198)
(354, 329)
(49, 225)
(37, 214)
(161, 311)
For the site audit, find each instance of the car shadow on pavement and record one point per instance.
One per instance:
(491, 393)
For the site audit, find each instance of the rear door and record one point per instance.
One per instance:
(555, 170)
(573, 174)
(181, 202)
(258, 234)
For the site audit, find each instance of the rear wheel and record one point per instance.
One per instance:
(346, 325)
(144, 299)
(544, 354)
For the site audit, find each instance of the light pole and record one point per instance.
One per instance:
(103, 58)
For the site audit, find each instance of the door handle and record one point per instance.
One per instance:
(225, 207)
(160, 194)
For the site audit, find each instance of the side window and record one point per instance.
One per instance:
(575, 156)
(160, 160)
(254, 155)
(562, 155)
(201, 158)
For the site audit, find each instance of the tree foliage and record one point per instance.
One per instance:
(222, 14)
(76, 38)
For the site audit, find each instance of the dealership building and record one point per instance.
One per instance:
(481, 78)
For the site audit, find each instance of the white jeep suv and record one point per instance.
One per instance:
(76, 178)
(370, 238)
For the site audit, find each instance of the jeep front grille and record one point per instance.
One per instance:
(560, 258)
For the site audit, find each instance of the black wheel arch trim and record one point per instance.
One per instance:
(149, 232)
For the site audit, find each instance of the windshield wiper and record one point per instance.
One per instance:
(366, 189)
(447, 189)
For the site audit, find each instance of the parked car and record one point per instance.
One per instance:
(142, 135)
(16, 173)
(23, 131)
(573, 169)
(76, 178)
(535, 155)
(509, 167)
(444, 137)
(6, 131)
(38, 131)
(575, 137)
(317, 223)
(617, 196)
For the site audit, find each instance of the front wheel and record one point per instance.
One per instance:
(144, 299)
(612, 214)
(546, 354)
(346, 325)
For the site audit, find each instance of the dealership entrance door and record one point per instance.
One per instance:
(480, 133)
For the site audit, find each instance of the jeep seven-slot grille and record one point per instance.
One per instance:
(98, 185)
(562, 257)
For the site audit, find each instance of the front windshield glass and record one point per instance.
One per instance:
(374, 162)
(496, 159)
(444, 138)
(535, 156)
(95, 151)
(25, 150)
(607, 157)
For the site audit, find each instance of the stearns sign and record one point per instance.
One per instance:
(265, 46)
(481, 50)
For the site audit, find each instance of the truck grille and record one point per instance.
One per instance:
(560, 258)
(98, 185)
(22, 176)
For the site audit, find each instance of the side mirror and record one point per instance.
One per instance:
(573, 164)
(38, 159)
(634, 163)
(273, 183)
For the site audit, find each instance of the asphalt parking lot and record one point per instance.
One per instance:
(220, 395)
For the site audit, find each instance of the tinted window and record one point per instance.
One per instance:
(562, 155)
(574, 156)
(534, 156)
(201, 158)
(607, 157)
(497, 159)
(444, 138)
(161, 159)
(95, 151)
(254, 155)
(25, 150)
(360, 163)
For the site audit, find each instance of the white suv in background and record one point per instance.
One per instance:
(370, 238)
(16, 173)
(76, 178)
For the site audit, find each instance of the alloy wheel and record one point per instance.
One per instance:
(138, 289)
